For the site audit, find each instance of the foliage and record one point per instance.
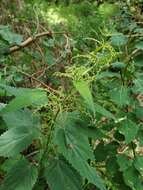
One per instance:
(71, 107)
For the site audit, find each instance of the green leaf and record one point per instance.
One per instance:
(129, 129)
(75, 147)
(124, 162)
(131, 178)
(22, 176)
(111, 148)
(20, 118)
(118, 39)
(138, 60)
(112, 166)
(118, 65)
(69, 139)
(139, 112)
(13, 91)
(15, 140)
(91, 132)
(100, 152)
(107, 74)
(104, 112)
(10, 37)
(26, 98)
(138, 163)
(120, 95)
(139, 45)
(138, 84)
(89, 173)
(60, 175)
(84, 90)
(10, 162)
(140, 137)
(85, 170)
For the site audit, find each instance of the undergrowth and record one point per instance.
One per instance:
(71, 108)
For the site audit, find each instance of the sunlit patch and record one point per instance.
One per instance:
(59, 15)
(53, 16)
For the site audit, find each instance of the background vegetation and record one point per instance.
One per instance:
(71, 95)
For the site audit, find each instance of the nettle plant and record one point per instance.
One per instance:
(89, 134)
(86, 135)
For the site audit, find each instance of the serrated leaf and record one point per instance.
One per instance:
(10, 37)
(138, 163)
(60, 175)
(20, 118)
(75, 147)
(26, 98)
(104, 112)
(71, 141)
(131, 178)
(15, 140)
(124, 162)
(119, 39)
(138, 84)
(84, 90)
(120, 96)
(129, 129)
(118, 65)
(13, 91)
(139, 45)
(87, 171)
(91, 132)
(107, 74)
(22, 176)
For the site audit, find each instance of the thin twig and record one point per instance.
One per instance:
(31, 39)
(40, 82)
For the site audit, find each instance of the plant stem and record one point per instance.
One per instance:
(122, 78)
(133, 149)
(46, 148)
(51, 131)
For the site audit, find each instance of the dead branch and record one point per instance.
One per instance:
(30, 40)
